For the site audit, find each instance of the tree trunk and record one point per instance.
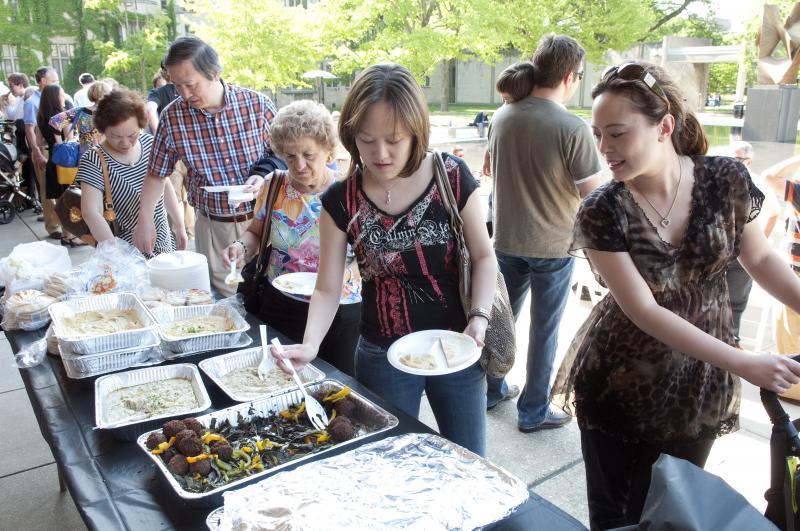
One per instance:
(445, 99)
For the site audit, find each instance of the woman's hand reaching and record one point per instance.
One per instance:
(299, 355)
(773, 372)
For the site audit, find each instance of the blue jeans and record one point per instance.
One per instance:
(458, 400)
(548, 279)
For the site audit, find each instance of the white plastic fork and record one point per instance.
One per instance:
(234, 277)
(265, 364)
(316, 413)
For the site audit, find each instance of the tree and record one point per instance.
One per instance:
(268, 46)
(419, 34)
(139, 57)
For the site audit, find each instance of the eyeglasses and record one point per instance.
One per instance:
(742, 159)
(636, 72)
(579, 75)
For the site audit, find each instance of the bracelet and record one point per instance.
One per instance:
(479, 311)
(244, 247)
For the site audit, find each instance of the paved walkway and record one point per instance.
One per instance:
(549, 461)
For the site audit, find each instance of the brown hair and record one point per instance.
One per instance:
(394, 85)
(688, 137)
(555, 58)
(97, 90)
(516, 81)
(18, 79)
(116, 107)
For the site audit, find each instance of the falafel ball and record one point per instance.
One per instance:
(178, 465)
(320, 394)
(184, 434)
(202, 467)
(341, 429)
(168, 454)
(190, 446)
(345, 407)
(172, 428)
(154, 439)
(223, 450)
(195, 425)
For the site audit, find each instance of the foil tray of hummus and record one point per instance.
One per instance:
(411, 481)
(236, 374)
(64, 312)
(369, 420)
(182, 328)
(148, 406)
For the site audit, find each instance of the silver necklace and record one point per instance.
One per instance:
(388, 191)
(664, 217)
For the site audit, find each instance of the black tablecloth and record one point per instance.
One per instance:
(115, 486)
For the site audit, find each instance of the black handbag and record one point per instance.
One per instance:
(500, 343)
(253, 272)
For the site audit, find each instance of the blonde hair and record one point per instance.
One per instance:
(393, 84)
(299, 119)
(97, 90)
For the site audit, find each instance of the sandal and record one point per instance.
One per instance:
(73, 242)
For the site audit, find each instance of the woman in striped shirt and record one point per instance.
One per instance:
(120, 117)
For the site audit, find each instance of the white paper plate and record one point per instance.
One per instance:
(234, 189)
(301, 284)
(422, 343)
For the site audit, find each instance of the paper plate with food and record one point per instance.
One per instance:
(296, 284)
(433, 352)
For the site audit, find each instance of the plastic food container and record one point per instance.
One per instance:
(179, 270)
(88, 365)
(127, 339)
(130, 429)
(381, 421)
(217, 367)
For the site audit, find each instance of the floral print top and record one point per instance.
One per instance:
(88, 136)
(623, 381)
(294, 235)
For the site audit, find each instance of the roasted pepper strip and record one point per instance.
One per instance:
(198, 458)
(322, 437)
(163, 447)
(337, 396)
(209, 437)
(222, 464)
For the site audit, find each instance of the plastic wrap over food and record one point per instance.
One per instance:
(412, 481)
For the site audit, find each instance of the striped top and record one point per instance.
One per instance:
(126, 188)
(219, 149)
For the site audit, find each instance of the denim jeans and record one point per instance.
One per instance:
(458, 400)
(548, 279)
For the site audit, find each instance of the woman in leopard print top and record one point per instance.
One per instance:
(654, 370)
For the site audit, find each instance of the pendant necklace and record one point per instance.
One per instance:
(665, 217)
(388, 191)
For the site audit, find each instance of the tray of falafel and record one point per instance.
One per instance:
(206, 455)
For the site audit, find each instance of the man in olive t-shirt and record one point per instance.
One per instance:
(543, 160)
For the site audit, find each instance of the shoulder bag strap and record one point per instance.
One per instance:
(275, 184)
(108, 204)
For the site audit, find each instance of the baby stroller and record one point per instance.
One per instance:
(783, 496)
(12, 199)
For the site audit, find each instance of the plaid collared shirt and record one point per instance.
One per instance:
(218, 149)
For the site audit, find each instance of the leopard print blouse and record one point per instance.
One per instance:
(625, 382)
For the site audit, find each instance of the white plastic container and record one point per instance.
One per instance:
(179, 270)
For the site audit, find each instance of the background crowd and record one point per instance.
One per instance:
(655, 367)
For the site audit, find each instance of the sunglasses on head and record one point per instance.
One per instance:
(636, 72)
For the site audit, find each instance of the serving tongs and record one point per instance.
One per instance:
(314, 410)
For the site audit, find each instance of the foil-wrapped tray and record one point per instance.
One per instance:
(204, 342)
(218, 367)
(411, 481)
(244, 341)
(88, 365)
(382, 421)
(130, 429)
(147, 335)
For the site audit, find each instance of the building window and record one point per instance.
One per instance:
(10, 61)
(427, 83)
(60, 57)
(296, 3)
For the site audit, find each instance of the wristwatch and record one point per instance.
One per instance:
(480, 311)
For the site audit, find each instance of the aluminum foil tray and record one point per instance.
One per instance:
(244, 341)
(129, 430)
(105, 342)
(383, 421)
(86, 366)
(217, 367)
(412, 481)
(205, 342)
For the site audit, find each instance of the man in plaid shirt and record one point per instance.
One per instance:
(219, 131)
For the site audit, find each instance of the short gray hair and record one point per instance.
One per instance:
(303, 118)
(745, 147)
(203, 57)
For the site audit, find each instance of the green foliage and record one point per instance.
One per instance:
(134, 63)
(722, 77)
(268, 46)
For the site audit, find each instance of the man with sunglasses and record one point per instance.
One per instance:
(544, 161)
